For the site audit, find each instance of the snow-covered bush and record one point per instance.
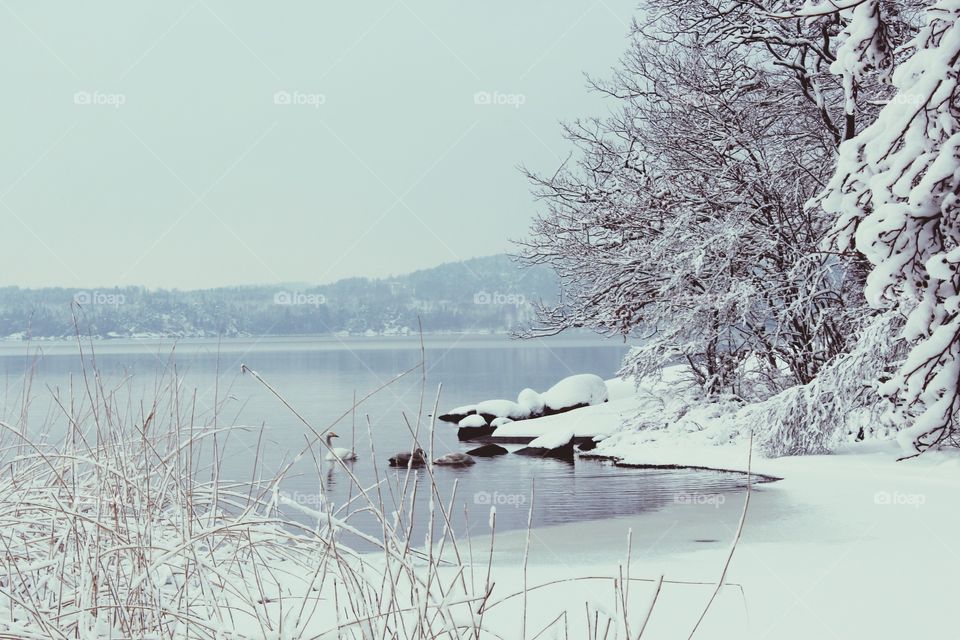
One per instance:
(839, 405)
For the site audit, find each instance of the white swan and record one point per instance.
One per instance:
(338, 453)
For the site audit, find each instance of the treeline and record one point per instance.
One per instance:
(484, 294)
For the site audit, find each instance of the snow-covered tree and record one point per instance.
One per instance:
(896, 192)
(682, 219)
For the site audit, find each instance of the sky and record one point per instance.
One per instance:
(214, 142)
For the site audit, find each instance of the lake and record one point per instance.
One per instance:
(319, 376)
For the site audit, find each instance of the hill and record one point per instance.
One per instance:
(489, 294)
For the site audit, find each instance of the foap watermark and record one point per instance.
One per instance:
(90, 298)
(498, 99)
(899, 499)
(303, 499)
(298, 298)
(99, 99)
(701, 499)
(909, 99)
(497, 499)
(299, 99)
(486, 297)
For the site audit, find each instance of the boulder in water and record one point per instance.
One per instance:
(589, 445)
(474, 426)
(455, 459)
(551, 445)
(458, 414)
(487, 451)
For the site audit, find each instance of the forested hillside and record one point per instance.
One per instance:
(483, 294)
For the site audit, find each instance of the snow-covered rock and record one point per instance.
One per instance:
(459, 413)
(474, 420)
(474, 426)
(554, 444)
(580, 390)
(553, 439)
(501, 409)
(531, 402)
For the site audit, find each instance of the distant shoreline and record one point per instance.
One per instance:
(15, 347)
(146, 337)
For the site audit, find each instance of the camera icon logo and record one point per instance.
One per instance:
(482, 97)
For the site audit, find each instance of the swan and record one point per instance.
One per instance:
(405, 458)
(455, 460)
(338, 453)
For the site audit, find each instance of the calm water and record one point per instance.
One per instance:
(319, 377)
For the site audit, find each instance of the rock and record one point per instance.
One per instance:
(487, 451)
(589, 445)
(407, 459)
(455, 459)
(474, 426)
(458, 414)
(549, 411)
(551, 445)
(492, 409)
(531, 402)
(563, 452)
(472, 433)
(571, 393)
(473, 421)
(574, 392)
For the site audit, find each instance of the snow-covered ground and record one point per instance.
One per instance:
(852, 545)
(849, 545)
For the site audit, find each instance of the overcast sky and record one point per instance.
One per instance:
(215, 142)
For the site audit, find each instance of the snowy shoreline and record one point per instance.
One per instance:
(820, 547)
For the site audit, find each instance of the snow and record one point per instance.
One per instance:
(464, 410)
(530, 401)
(824, 553)
(553, 439)
(585, 388)
(475, 420)
(598, 420)
(496, 422)
(821, 547)
(581, 389)
(501, 409)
